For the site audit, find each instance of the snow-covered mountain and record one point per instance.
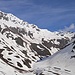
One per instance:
(22, 44)
(61, 63)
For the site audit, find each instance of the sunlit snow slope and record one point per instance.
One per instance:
(61, 63)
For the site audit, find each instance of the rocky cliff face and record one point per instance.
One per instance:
(22, 44)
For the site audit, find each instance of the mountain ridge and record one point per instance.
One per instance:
(22, 44)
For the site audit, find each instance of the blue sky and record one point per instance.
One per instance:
(49, 14)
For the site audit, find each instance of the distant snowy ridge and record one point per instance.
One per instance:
(22, 44)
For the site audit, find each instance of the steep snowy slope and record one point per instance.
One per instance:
(22, 44)
(61, 63)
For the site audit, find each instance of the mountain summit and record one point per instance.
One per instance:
(22, 44)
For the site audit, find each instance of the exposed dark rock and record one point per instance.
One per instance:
(22, 31)
(19, 41)
(1, 55)
(1, 15)
(74, 42)
(4, 30)
(62, 43)
(17, 56)
(73, 56)
(30, 34)
(5, 18)
(74, 47)
(67, 70)
(9, 35)
(26, 62)
(14, 30)
(33, 26)
(18, 30)
(33, 57)
(1, 50)
(41, 52)
(25, 52)
(0, 28)
(19, 64)
(72, 51)
(8, 49)
(9, 59)
(10, 53)
(57, 68)
(54, 73)
(38, 29)
(12, 47)
(11, 64)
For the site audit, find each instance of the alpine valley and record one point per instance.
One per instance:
(26, 49)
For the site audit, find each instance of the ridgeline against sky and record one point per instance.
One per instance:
(49, 14)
